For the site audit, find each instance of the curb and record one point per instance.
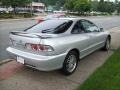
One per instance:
(114, 29)
(5, 61)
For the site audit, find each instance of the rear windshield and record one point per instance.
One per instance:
(50, 17)
(51, 26)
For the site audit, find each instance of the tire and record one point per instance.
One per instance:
(70, 63)
(107, 44)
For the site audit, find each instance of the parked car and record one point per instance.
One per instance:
(51, 16)
(58, 44)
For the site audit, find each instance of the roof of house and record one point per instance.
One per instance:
(38, 4)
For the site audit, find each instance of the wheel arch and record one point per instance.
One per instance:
(109, 36)
(76, 50)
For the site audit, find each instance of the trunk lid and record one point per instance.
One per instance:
(20, 39)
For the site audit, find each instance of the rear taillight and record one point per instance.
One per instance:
(39, 47)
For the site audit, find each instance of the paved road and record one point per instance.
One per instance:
(7, 26)
(15, 76)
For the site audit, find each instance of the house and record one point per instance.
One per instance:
(37, 7)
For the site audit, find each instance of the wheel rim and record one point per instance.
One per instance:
(107, 44)
(71, 63)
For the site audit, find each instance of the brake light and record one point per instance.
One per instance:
(39, 47)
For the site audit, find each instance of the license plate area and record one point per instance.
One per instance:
(20, 60)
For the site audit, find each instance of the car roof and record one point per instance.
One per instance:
(68, 18)
(73, 19)
(56, 14)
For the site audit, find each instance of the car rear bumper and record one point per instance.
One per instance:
(43, 63)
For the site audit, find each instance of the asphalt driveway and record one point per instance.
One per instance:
(15, 76)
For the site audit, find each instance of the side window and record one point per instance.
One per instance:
(89, 26)
(77, 29)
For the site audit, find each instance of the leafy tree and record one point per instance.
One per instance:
(94, 5)
(101, 6)
(106, 6)
(56, 3)
(118, 7)
(82, 6)
(59, 4)
(48, 2)
(69, 5)
(110, 7)
(116, 2)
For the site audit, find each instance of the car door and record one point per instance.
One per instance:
(97, 38)
(81, 37)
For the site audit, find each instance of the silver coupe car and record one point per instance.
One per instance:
(57, 44)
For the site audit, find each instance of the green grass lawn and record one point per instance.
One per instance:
(106, 77)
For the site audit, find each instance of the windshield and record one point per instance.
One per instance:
(51, 26)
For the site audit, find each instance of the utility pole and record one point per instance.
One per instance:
(31, 8)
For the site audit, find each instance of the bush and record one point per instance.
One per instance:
(27, 15)
(17, 15)
(6, 15)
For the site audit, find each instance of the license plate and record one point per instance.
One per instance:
(20, 60)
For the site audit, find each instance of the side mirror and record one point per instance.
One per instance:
(101, 29)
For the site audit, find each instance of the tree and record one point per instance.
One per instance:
(79, 6)
(110, 7)
(57, 4)
(94, 5)
(106, 6)
(118, 7)
(15, 3)
(49, 2)
(82, 6)
(101, 6)
(116, 2)
(69, 5)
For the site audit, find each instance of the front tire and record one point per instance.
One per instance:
(70, 63)
(107, 44)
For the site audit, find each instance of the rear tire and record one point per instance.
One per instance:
(70, 63)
